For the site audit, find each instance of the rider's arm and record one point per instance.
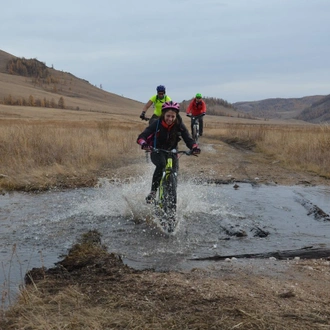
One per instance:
(203, 110)
(149, 130)
(147, 106)
(188, 111)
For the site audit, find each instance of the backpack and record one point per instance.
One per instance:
(158, 99)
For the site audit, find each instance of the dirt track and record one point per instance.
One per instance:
(232, 162)
(222, 162)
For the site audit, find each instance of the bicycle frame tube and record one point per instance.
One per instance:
(195, 121)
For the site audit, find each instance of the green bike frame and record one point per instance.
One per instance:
(167, 192)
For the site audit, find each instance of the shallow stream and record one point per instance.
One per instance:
(36, 229)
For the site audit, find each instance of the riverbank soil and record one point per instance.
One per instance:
(92, 289)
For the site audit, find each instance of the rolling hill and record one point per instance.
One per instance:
(48, 86)
(31, 82)
(279, 108)
(318, 112)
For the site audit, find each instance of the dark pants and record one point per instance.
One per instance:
(200, 125)
(159, 160)
(153, 118)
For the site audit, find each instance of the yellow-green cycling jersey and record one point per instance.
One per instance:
(158, 103)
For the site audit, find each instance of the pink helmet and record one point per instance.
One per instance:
(170, 105)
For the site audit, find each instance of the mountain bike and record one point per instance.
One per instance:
(195, 126)
(165, 202)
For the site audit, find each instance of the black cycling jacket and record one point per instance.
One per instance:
(160, 135)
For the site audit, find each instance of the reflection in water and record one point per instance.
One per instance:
(37, 229)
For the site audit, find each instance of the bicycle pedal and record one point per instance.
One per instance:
(150, 199)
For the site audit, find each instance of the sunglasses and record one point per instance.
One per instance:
(198, 98)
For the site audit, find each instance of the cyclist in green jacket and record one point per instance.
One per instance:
(165, 133)
(157, 100)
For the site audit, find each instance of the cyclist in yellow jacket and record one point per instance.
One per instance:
(157, 100)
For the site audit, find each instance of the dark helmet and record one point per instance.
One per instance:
(161, 89)
(170, 105)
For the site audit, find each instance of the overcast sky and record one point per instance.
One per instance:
(237, 50)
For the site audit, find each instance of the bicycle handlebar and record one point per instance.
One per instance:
(173, 151)
(198, 116)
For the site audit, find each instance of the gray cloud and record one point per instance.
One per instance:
(237, 50)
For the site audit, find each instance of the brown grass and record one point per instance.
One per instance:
(34, 154)
(41, 153)
(304, 148)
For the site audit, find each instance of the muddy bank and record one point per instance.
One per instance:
(92, 289)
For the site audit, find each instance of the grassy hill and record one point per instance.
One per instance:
(24, 81)
(31, 83)
(279, 108)
(318, 112)
(52, 85)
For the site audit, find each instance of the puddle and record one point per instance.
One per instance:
(213, 220)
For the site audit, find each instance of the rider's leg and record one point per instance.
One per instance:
(159, 160)
(201, 126)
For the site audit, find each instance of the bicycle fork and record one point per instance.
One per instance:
(165, 177)
(195, 128)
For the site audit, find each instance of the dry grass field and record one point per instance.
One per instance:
(94, 136)
(43, 148)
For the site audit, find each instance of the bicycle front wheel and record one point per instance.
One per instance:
(169, 197)
(195, 133)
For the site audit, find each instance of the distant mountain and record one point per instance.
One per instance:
(279, 108)
(318, 112)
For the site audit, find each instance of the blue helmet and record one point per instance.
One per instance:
(161, 88)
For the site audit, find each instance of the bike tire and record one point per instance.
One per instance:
(167, 203)
(170, 195)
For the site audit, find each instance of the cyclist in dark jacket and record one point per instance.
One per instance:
(165, 133)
